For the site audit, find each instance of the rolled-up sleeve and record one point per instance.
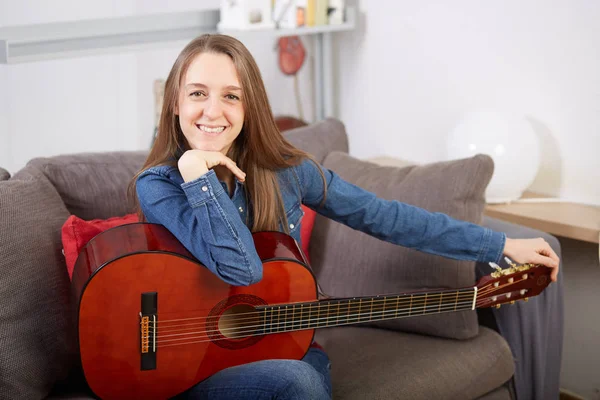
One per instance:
(204, 219)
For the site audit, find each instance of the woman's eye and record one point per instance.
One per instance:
(232, 97)
(197, 94)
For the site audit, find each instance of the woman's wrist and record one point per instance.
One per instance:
(191, 168)
(508, 245)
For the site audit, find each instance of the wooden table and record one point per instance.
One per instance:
(572, 220)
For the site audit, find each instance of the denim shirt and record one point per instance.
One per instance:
(214, 227)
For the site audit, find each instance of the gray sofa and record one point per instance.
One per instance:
(511, 352)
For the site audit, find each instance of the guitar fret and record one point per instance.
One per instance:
(383, 313)
(410, 306)
(425, 304)
(359, 309)
(456, 301)
(319, 315)
(440, 306)
(348, 311)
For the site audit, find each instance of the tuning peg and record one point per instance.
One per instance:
(509, 261)
(512, 302)
(497, 305)
(498, 269)
(495, 266)
(526, 298)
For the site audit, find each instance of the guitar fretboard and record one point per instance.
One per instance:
(329, 313)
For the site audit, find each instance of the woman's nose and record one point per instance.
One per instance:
(213, 108)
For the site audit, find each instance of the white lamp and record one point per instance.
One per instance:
(511, 142)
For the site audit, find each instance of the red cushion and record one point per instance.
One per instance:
(306, 227)
(76, 232)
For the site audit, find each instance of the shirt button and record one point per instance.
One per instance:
(291, 226)
(241, 209)
(204, 188)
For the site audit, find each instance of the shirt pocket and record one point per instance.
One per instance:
(294, 217)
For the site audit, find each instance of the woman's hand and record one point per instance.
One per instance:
(533, 251)
(195, 163)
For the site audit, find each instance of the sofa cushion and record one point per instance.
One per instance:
(36, 341)
(93, 185)
(320, 138)
(4, 174)
(350, 263)
(76, 233)
(369, 363)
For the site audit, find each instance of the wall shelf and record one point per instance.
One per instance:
(108, 35)
(29, 43)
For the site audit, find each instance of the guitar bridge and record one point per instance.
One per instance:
(148, 330)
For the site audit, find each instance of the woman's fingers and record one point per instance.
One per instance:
(549, 262)
(215, 158)
(535, 251)
(241, 175)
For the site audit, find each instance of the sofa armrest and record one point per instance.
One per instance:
(533, 329)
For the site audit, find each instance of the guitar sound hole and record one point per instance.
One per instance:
(234, 322)
(239, 322)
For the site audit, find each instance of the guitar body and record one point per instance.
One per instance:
(140, 270)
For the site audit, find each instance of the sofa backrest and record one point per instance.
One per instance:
(92, 185)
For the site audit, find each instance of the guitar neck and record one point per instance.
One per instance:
(356, 310)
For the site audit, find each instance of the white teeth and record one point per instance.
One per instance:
(211, 130)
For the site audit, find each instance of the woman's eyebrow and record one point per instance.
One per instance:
(201, 85)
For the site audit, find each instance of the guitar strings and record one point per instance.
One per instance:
(347, 307)
(327, 316)
(406, 300)
(488, 288)
(242, 334)
(340, 305)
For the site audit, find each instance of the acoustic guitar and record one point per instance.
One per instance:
(152, 321)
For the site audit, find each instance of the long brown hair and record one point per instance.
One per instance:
(259, 150)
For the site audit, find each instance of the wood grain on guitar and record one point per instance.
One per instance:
(153, 321)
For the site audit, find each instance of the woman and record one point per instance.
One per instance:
(220, 169)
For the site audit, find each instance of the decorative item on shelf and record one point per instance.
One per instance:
(291, 58)
(289, 14)
(511, 142)
(335, 12)
(297, 13)
(245, 15)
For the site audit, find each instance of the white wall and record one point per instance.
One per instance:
(415, 67)
(105, 102)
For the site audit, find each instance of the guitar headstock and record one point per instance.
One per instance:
(518, 282)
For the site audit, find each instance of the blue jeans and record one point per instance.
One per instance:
(269, 379)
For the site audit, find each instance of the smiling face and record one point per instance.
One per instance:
(211, 113)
